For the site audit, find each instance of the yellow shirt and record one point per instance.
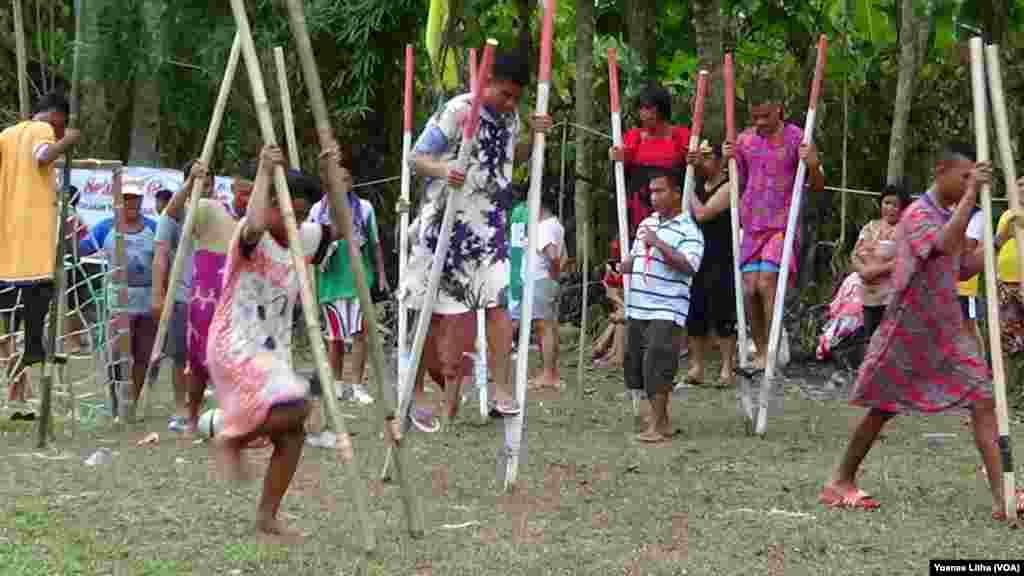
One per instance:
(28, 214)
(1006, 264)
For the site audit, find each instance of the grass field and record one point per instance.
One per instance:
(712, 501)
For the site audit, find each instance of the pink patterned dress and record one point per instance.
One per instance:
(919, 359)
(249, 349)
(768, 172)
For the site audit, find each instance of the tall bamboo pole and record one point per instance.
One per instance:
(252, 65)
(775, 334)
(452, 205)
(19, 50)
(746, 405)
(286, 109)
(690, 182)
(620, 192)
(56, 317)
(185, 237)
(385, 408)
(403, 209)
(515, 427)
(994, 326)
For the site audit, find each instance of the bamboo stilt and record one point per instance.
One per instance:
(515, 426)
(690, 182)
(185, 237)
(787, 253)
(995, 90)
(300, 33)
(286, 109)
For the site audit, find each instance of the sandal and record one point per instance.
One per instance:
(651, 437)
(1019, 495)
(424, 421)
(504, 408)
(855, 499)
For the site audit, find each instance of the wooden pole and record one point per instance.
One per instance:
(185, 237)
(515, 426)
(121, 359)
(452, 205)
(995, 89)
(743, 390)
(472, 68)
(403, 208)
(413, 511)
(252, 65)
(19, 50)
(286, 109)
(620, 190)
(787, 251)
(695, 128)
(56, 303)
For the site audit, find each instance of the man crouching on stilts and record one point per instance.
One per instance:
(476, 268)
(920, 360)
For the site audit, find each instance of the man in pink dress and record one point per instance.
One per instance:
(767, 156)
(920, 360)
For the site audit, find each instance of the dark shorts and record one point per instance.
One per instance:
(969, 307)
(652, 355)
(175, 344)
(872, 320)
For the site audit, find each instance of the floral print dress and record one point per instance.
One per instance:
(477, 267)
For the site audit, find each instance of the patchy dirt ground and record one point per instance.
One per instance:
(712, 501)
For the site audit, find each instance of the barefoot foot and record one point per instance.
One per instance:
(276, 530)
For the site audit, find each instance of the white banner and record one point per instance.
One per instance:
(95, 202)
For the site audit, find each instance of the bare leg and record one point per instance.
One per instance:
(336, 358)
(758, 324)
(499, 349)
(698, 349)
(604, 342)
(284, 425)
(766, 285)
(861, 441)
(359, 352)
(986, 430)
(196, 392)
(181, 388)
(727, 348)
(551, 376)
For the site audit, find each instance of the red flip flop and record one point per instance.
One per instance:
(1019, 495)
(855, 499)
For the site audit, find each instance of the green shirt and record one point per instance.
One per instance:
(335, 278)
(517, 250)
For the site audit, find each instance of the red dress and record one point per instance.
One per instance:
(919, 359)
(644, 152)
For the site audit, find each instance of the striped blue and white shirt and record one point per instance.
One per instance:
(656, 290)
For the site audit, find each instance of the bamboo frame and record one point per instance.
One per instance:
(286, 109)
(746, 405)
(515, 426)
(620, 193)
(995, 89)
(185, 237)
(690, 182)
(413, 511)
(22, 58)
(123, 382)
(787, 253)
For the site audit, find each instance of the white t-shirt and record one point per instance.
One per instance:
(976, 226)
(550, 232)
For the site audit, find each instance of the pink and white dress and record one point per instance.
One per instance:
(249, 349)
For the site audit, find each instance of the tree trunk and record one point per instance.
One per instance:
(97, 115)
(642, 16)
(707, 22)
(525, 9)
(910, 25)
(584, 117)
(993, 19)
(144, 146)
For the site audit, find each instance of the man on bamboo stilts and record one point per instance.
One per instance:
(920, 360)
(476, 269)
(767, 156)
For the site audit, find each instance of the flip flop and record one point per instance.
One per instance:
(855, 499)
(1019, 495)
(651, 438)
(424, 421)
(504, 408)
